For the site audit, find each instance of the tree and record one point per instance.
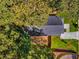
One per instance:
(14, 42)
(31, 12)
(69, 11)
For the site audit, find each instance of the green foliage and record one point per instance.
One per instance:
(54, 4)
(72, 44)
(40, 52)
(35, 12)
(69, 11)
(31, 12)
(14, 42)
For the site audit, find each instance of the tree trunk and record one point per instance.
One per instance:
(49, 41)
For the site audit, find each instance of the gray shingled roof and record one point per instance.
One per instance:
(54, 20)
(54, 26)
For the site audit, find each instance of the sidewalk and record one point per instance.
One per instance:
(70, 35)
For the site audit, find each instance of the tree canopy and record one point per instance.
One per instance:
(17, 13)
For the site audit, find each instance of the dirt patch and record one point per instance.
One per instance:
(42, 40)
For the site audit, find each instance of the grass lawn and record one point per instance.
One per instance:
(56, 42)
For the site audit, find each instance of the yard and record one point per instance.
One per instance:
(56, 42)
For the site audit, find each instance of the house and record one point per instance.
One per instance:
(54, 26)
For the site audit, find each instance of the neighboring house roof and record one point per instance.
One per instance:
(54, 20)
(56, 30)
(54, 26)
